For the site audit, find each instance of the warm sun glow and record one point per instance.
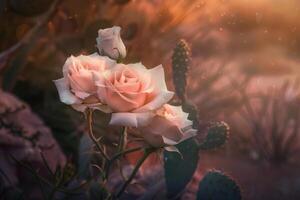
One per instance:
(150, 99)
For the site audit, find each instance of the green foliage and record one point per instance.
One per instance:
(69, 172)
(217, 136)
(97, 191)
(12, 193)
(179, 168)
(217, 186)
(85, 157)
(29, 7)
(180, 64)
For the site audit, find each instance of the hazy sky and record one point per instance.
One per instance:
(258, 35)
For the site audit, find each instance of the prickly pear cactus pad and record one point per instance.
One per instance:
(216, 137)
(180, 64)
(180, 167)
(217, 186)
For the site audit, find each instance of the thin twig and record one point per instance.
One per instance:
(126, 151)
(121, 171)
(122, 141)
(121, 146)
(2, 173)
(35, 174)
(147, 152)
(47, 165)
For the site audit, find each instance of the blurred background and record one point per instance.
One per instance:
(244, 70)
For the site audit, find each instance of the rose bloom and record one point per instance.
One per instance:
(169, 127)
(133, 93)
(77, 87)
(109, 43)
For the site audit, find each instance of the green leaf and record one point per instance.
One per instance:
(217, 186)
(85, 156)
(179, 169)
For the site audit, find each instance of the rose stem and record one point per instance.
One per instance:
(122, 141)
(147, 152)
(121, 147)
(89, 113)
(126, 151)
(117, 156)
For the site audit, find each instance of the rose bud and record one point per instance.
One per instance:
(109, 43)
(77, 87)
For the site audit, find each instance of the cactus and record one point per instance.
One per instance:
(217, 136)
(180, 168)
(193, 113)
(217, 186)
(180, 64)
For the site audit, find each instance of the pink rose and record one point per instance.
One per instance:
(133, 93)
(109, 43)
(77, 87)
(169, 127)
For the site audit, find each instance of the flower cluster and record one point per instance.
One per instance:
(135, 96)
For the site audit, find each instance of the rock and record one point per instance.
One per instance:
(24, 136)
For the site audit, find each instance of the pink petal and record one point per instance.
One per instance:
(64, 92)
(131, 119)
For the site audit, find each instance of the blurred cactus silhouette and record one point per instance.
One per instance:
(218, 186)
(271, 119)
